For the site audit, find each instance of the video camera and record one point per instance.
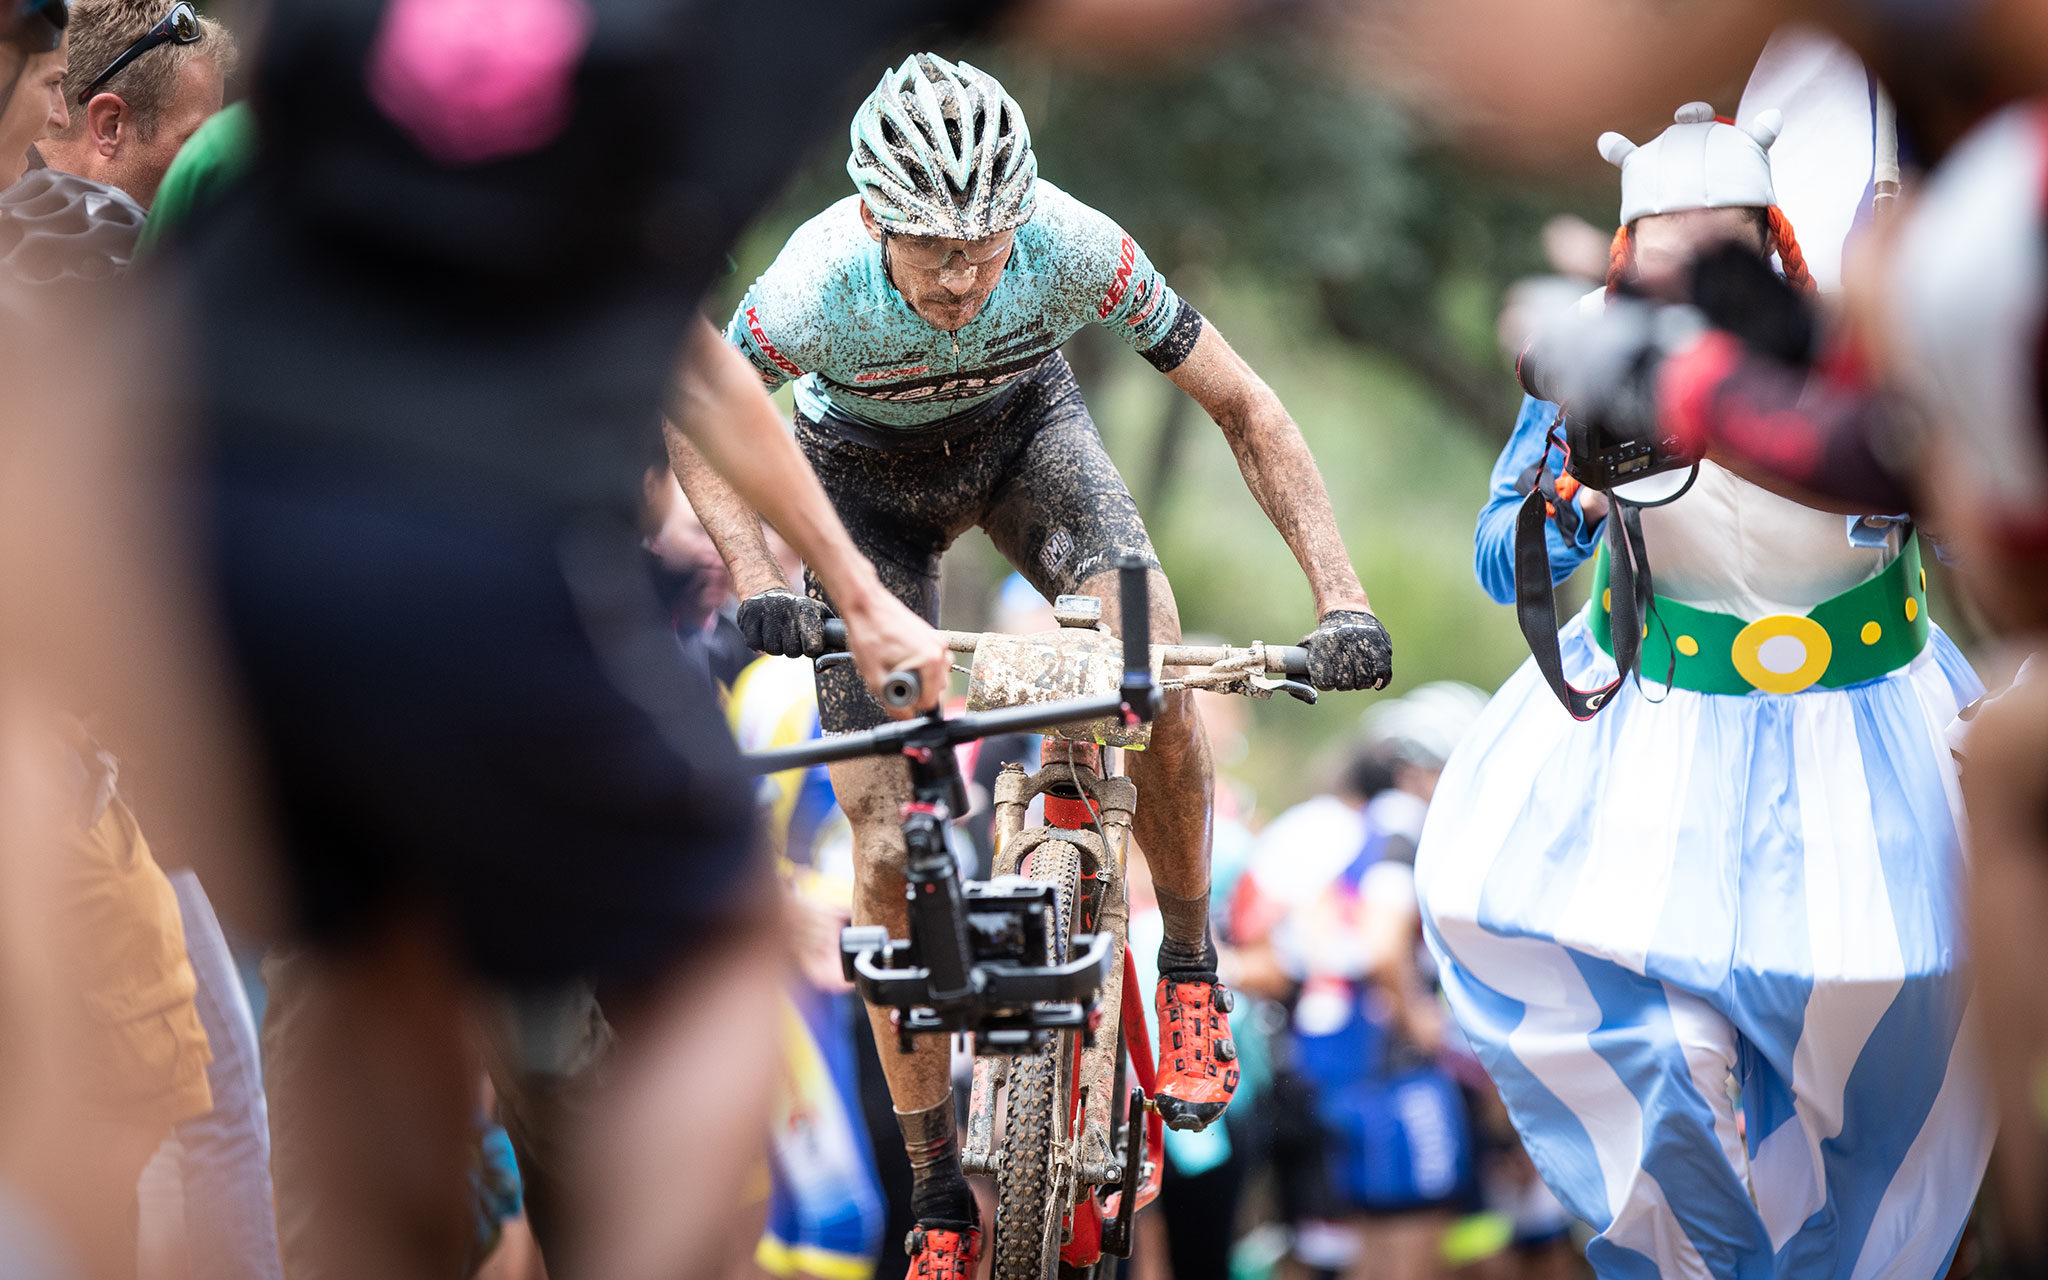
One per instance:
(1603, 373)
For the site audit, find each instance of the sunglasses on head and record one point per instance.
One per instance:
(39, 24)
(179, 26)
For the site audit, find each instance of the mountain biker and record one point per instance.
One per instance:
(920, 318)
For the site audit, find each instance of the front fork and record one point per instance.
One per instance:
(1093, 812)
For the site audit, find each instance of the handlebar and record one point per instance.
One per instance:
(930, 731)
(1138, 698)
(1280, 659)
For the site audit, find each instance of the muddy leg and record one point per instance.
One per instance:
(1176, 789)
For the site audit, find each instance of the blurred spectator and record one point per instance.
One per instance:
(216, 154)
(1294, 861)
(826, 1205)
(214, 1174)
(218, 1163)
(1368, 1034)
(133, 1038)
(35, 106)
(1692, 872)
(1206, 1172)
(125, 129)
(432, 505)
(691, 578)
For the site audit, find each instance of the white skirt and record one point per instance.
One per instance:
(1699, 906)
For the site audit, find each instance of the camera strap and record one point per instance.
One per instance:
(1628, 577)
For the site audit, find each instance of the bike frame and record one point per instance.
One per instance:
(1104, 1181)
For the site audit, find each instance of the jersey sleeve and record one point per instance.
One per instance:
(1135, 302)
(750, 328)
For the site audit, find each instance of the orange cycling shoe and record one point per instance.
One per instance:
(1197, 1057)
(937, 1253)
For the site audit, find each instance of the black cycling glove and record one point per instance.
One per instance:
(781, 622)
(1349, 649)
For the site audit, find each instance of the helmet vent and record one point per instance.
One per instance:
(940, 150)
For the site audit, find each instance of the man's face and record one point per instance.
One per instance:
(1666, 244)
(944, 281)
(138, 164)
(36, 108)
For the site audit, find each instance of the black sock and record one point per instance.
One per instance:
(943, 1199)
(939, 1195)
(1181, 959)
(1187, 947)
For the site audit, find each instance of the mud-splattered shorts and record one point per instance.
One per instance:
(1030, 471)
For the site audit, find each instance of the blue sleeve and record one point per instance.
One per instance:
(1493, 542)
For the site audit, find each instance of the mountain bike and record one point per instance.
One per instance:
(1033, 963)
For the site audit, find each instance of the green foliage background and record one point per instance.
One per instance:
(1357, 265)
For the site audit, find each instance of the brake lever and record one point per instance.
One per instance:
(1263, 686)
(827, 661)
(1297, 690)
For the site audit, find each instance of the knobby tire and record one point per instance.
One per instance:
(1027, 1227)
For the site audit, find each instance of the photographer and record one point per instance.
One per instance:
(1704, 938)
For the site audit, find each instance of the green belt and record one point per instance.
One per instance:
(1868, 631)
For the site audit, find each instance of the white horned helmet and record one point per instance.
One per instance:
(1697, 163)
(939, 149)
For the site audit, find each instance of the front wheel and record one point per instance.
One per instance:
(1036, 1107)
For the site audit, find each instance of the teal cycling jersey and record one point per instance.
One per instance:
(826, 314)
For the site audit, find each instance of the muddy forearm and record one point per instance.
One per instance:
(1283, 476)
(1277, 466)
(732, 524)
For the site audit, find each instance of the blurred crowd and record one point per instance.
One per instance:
(342, 588)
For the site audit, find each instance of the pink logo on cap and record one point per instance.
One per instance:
(477, 80)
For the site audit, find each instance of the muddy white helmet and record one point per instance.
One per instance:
(940, 150)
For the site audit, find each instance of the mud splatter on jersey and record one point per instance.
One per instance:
(826, 314)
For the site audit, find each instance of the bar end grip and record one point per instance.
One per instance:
(901, 690)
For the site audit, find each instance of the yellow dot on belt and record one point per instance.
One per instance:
(1923, 579)
(1912, 608)
(1871, 632)
(1646, 631)
(1607, 599)
(1687, 646)
(1782, 653)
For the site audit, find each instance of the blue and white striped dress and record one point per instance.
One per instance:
(1708, 946)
